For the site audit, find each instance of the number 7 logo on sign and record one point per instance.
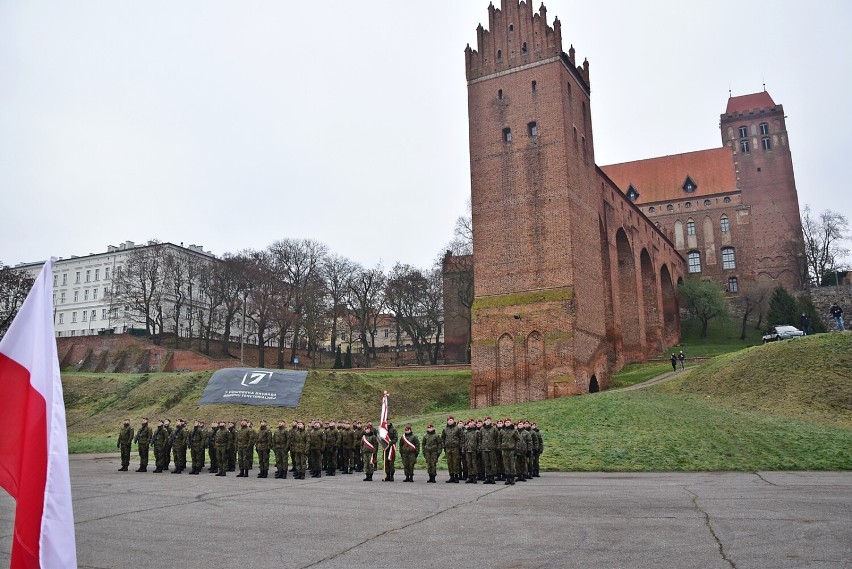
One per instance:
(256, 378)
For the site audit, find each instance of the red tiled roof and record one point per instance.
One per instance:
(748, 102)
(661, 179)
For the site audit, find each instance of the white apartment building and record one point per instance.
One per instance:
(83, 287)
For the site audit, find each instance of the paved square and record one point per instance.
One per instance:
(674, 520)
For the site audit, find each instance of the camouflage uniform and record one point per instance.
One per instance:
(357, 457)
(451, 439)
(125, 441)
(521, 451)
(389, 454)
(332, 443)
(290, 433)
(197, 442)
(143, 439)
(432, 446)
(409, 448)
(347, 447)
(179, 439)
(314, 448)
(252, 443)
(232, 448)
(242, 439)
(508, 448)
(280, 442)
(470, 446)
(539, 448)
(298, 445)
(222, 440)
(210, 441)
(369, 448)
(264, 442)
(167, 448)
(488, 445)
(158, 440)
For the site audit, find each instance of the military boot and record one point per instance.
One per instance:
(508, 481)
(522, 478)
(142, 469)
(489, 479)
(123, 469)
(331, 472)
(368, 478)
(221, 473)
(431, 479)
(260, 474)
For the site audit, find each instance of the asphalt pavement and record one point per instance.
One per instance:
(769, 520)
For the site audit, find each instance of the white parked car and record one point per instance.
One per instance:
(782, 333)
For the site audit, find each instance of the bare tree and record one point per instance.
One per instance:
(415, 299)
(824, 237)
(365, 300)
(261, 299)
(138, 288)
(337, 271)
(175, 282)
(231, 283)
(14, 288)
(753, 299)
(457, 268)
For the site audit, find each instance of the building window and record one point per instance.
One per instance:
(387, 332)
(97, 274)
(507, 134)
(88, 275)
(726, 200)
(55, 277)
(93, 316)
(524, 47)
(85, 316)
(743, 131)
(62, 318)
(706, 203)
(534, 85)
(94, 294)
(511, 27)
(632, 193)
(728, 259)
(106, 292)
(499, 54)
(77, 278)
(652, 209)
(86, 294)
(725, 224)
(764, 128)
(64, 279)
(744, 146)
(62, 297)
(73, 317)
(533, 129)
(688, 205)
(569, 91)
(694, 261)
(106, 273)
(76, 295)
(669, 207)
(733, 285)
(688, 185)
(103, 314)
(766, 143)
(690, 227)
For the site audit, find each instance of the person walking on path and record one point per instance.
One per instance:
(837, 314)
(682, 359)
(674, 362)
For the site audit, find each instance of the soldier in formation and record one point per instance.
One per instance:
(281, 446)
(369, 450)
(178, 440)
(409, 448)
(124, 442)
(197, 442)
(143, 439)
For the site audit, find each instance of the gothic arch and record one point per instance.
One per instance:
(649, 304)
(628, 295)
(536, 372)
(670, 307)
(506, 375)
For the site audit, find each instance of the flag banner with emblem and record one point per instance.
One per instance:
(384, 439)
(34, 466)
(255, 386)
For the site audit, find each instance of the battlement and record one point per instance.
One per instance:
(516, 36)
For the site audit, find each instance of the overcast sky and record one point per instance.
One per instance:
(233, 124)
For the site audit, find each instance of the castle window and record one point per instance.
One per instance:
(743, 129)
(507, 134)
(511, 27)
(632, 193)
(767, 144)
(524, 48)
(533, 86)
(499, 54)
(744, 146)
(694, 261)
(688, 185)
(733, 284)
(500, 94)
(532, 128)
(569, 91)
(764, 128)
(688, 205)
(690, 227)
(724, 224)
(706, 203)
(728, 258)
(652, 209)
(726, 200)
(669, 207)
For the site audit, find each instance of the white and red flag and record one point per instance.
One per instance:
(384, 438)
(33, 438)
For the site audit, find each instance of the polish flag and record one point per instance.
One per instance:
(33, 439)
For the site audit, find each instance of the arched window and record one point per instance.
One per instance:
(652, 209)
(726, 200)
(733, 284)
(690, 227)
(729, 260)
(724, 224)
(499, 54)
(500, 94)
(507, 134)
(706, 203)
(744, 147)
(524, 47)
(694, 261)
(669, 207)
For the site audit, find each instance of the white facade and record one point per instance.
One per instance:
(83, 286)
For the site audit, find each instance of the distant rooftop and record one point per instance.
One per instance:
(743, 103)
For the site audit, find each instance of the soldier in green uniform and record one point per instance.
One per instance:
(314, 448)
(470, 447)
(480, 465)
(124, 442)
(158, 441)
(263, 445)
(432, 446)
(521, 452)
(179, 441)
(232, 447)
(167, 448)
(293, 429)
(210, 441)
(389, 453)
(252, 444)
(222, 440)
(498, 454)
(539, 448)
(241, 440)
(357, 458)
(143, 439)
(409, 448)
(298, 443)
(451, 438)
(369, 449)
(488, 446)
(197, 442)
(347, 448)
(332, 445)
(508, 449)
(281, 445)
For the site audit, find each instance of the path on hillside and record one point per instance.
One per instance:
(668, 376)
